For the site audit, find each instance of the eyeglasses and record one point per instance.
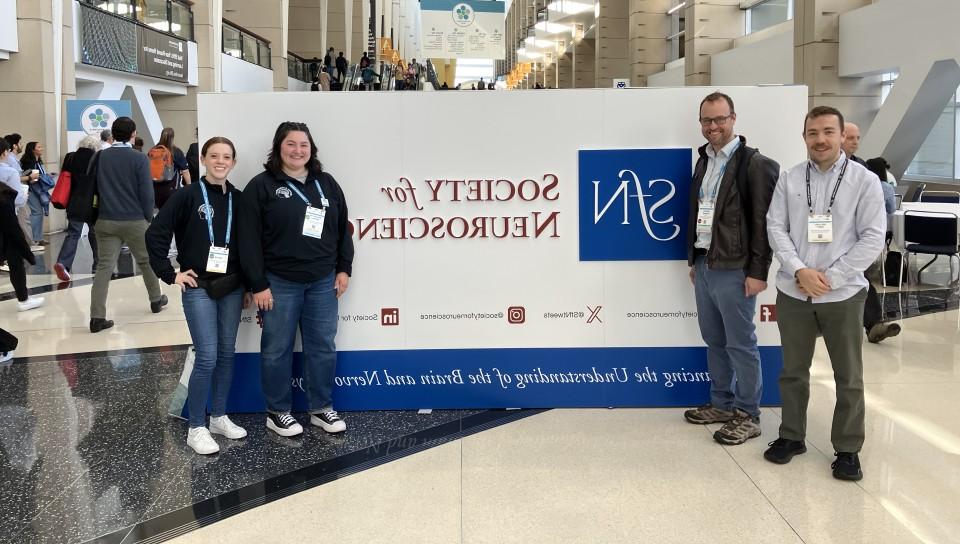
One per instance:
(719, 121)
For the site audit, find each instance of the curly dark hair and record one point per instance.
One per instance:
(274, 165)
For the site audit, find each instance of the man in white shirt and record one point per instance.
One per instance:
(826, 225)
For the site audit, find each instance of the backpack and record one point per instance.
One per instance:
(161, 163)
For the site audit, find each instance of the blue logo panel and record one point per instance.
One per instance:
(633, 204)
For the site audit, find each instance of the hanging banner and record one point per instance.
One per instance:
(538, 268)
(462, 29)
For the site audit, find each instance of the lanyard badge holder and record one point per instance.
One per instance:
(218, 257)
(820, 226)
(706, 210)
(314, 217)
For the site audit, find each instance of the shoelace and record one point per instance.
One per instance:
(845, 458)
(332, 415)
(286, 420)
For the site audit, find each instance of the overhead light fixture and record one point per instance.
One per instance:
(674, 9)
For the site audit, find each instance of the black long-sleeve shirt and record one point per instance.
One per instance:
(184, 217)
(278, 216)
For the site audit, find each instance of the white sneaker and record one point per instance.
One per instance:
(5, 268)
(224, 427)
(200, 440)
(30, 303)
(5, 356)
(328, 420)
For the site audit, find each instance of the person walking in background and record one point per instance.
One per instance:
(873, 324)
(214, 232)
(25, 178)
(39, 197)
(125, 209)
(729, 258)
(106, 138)
(341, 67)
(193, 156)
(168, 166)
(13, 244)
(826, 226)
(300, 270)
(851, 143)
(79, 212)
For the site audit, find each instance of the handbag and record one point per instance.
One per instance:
(61, 191)
(220, 287)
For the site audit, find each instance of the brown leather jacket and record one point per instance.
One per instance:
(739, 236)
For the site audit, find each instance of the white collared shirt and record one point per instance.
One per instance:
(710, 187)
(859, 225)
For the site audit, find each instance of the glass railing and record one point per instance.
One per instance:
(245, 45)
(169, 16)
(298, 67)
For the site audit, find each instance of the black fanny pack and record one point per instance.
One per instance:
(220, 287)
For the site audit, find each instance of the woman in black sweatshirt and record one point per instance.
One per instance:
(213, 231)
(304, 263)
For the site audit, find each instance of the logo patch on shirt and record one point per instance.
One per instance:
(283, 192)
(205, 211)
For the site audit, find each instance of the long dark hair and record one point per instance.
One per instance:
(274, 164)
(30, 159)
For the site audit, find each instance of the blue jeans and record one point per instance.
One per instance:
(36, 216)
(68, 251)
(213, 327)
(726, 324)
(313, 308)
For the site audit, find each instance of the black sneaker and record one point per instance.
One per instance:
(98, 324)
(881, 331)
(781, 450)
(329, 421)
(283, 424)
(847, 467)
(155, 307)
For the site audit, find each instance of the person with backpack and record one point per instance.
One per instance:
(729, 257)
(168, 166)
(79, 211)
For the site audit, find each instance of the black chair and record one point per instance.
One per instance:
(945, 197)
(929, 233)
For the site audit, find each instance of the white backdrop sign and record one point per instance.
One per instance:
(513, 249)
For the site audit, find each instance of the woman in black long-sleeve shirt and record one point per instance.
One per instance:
(212, 228)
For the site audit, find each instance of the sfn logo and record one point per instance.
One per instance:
(516, 315)
(389, 317)
(633, 204)
(768, 312)
(594, 314)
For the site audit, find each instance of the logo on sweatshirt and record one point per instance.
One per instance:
(205, 211)
(283, 192)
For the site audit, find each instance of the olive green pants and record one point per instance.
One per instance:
(841, 324)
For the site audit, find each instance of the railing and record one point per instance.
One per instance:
(298, 67)
(245, 45)
(168, 16)
(432, 75)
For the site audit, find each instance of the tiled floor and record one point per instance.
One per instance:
(86, 451)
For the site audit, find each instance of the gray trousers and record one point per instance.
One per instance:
(110, 236)
(841, 324)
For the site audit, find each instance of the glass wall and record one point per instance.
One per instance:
(173, 16)
(937, 157)
(768, 13)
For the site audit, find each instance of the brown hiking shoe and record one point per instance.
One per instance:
(707, 414)
(738, 430)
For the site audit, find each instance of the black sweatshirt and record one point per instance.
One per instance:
(181, 217)
(279, 214)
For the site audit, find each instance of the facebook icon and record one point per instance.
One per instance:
(633, 204)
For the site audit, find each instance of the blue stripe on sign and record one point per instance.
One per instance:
(509, 378)
(483, 6)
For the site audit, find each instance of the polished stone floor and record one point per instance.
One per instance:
(87, 452)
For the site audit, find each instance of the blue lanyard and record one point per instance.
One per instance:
(302, 196)
(716, 188)
(209, 214)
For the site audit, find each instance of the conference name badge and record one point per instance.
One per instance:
(820, 229)
(313, 222)
(217, 259)
(705, 219)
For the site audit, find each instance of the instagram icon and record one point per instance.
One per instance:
(516, 315)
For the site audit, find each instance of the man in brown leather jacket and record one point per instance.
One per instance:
(729, 256)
